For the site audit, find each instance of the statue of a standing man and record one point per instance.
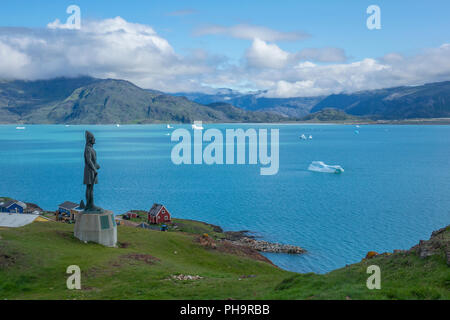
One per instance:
(90, 172)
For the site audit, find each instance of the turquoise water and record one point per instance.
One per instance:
(394, 191)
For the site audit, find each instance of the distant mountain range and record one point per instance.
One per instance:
(296, 107)
(86, 100)
(426, 101)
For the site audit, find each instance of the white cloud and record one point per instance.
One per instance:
(107, 48)
(264, 55)
(251, 32)
(115, 48)
(12, 61)
(286, 74)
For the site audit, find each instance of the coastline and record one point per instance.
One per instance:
(246, 239)
(190, 264)
(412, 121)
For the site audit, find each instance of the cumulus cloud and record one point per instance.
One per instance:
(12, 61)
(285, 74)
(251, 32)
(266, 55)
(392, 70)
(107, 48)
(116, 48)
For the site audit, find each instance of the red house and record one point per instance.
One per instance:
(131, 214)
(158, 214)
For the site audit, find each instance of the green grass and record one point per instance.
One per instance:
(197, 227)
(34, 258)
(403, 276)
(43, 251)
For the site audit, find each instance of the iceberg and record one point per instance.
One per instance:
(319, 166)
(197, 127)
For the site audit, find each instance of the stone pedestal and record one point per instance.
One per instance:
(97, 227)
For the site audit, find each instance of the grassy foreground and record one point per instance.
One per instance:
(34, 258)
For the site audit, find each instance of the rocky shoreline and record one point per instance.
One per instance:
(265, 246)
(243, 238)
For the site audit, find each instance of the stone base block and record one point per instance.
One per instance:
(97, 227)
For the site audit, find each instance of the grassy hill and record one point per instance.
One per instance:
(34, 258)
(87, 100)
(330, 115)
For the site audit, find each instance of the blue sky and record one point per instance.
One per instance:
(408, 28)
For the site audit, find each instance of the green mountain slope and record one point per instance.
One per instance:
(427, 101)
(21, 98)
(330, 114)
(95, 101)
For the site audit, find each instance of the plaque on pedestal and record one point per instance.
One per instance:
(97, 227)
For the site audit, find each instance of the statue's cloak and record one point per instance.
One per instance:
(90, 163)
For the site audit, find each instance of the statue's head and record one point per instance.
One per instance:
(90, 137)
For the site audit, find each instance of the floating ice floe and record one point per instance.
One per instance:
(319, 166)
(197, 127)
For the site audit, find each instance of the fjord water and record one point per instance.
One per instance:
(394, 191)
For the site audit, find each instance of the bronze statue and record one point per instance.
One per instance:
(90, 172)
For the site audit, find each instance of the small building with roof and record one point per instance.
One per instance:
(159, 214)
(68, 209)
(12, 206)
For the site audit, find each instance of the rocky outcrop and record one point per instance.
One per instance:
(439, 243)
(371, 254)
(265, 246)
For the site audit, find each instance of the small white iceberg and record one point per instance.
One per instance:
(20, 128)
(196, 127)
(319, 166)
